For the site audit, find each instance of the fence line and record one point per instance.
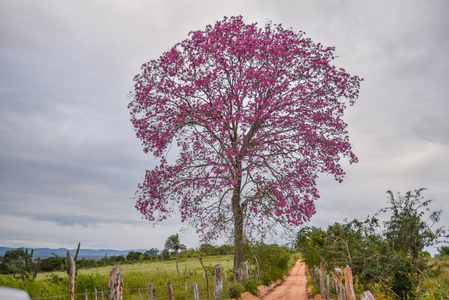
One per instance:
(343, 291)
(115, 287)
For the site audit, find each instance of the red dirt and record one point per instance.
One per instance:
(293, 287)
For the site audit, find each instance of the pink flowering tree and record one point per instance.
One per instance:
(254, 116)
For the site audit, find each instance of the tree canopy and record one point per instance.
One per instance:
(255, 114)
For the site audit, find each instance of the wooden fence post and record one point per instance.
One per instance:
(227, 283)
(185, 280)
(150, 291)
(338, 286)
(248, 272)
(349, 285)
(72, 267)
(170, 291)
(196, 295)
(367, 296)
(95, 293)
(323, 280)
(115, 286)
(218, 282)
(140, 294)
(102, 291)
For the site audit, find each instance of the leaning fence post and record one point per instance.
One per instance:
(150, 291)
(196, 294)
(140, 294)
(218, 282)
(72, 276)
(115, 286)
(170, 291)
(349, 283)
(323, 280)
(95, 293)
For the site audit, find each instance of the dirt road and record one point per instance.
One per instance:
(294, 286)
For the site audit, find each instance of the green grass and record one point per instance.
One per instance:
(437, 286)
(135, 276)
(151, 267)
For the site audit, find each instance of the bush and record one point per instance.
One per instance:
(236, 290)
(271, 259)
(252, 287)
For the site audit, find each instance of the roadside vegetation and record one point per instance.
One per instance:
(386, 252)
(157, 267)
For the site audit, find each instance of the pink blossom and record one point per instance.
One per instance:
(256, 114)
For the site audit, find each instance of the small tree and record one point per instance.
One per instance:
(256, 114)
(173, 243)
(409, 230)
(13, 260)
(20, 261)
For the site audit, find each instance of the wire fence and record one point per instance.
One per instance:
(183, 290)
(342, 292)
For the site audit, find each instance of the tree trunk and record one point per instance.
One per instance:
(238, 234)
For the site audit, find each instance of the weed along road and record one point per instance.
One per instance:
(294, 286)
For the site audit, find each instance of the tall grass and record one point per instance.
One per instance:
(435, 286)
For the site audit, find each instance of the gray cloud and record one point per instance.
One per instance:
(69, 157)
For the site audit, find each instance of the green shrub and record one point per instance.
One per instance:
(236, 290)
(251, 287)
(271, 259)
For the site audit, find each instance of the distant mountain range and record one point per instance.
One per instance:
(84, 253)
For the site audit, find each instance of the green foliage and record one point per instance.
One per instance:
(444, 251)
(440, 292)
(252, 287)
(29, 269)
(272, 260)
(386, 254)
(50, 264)
(151, 254)
(64, 262)
(21, 262)
(133, 256)
(236, 290)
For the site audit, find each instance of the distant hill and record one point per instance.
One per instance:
(84, 253)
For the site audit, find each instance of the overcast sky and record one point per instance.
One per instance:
(69, 158)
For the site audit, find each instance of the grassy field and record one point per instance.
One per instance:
(151, 267)
(136, 278)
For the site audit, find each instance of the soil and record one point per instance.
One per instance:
(293, 287)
